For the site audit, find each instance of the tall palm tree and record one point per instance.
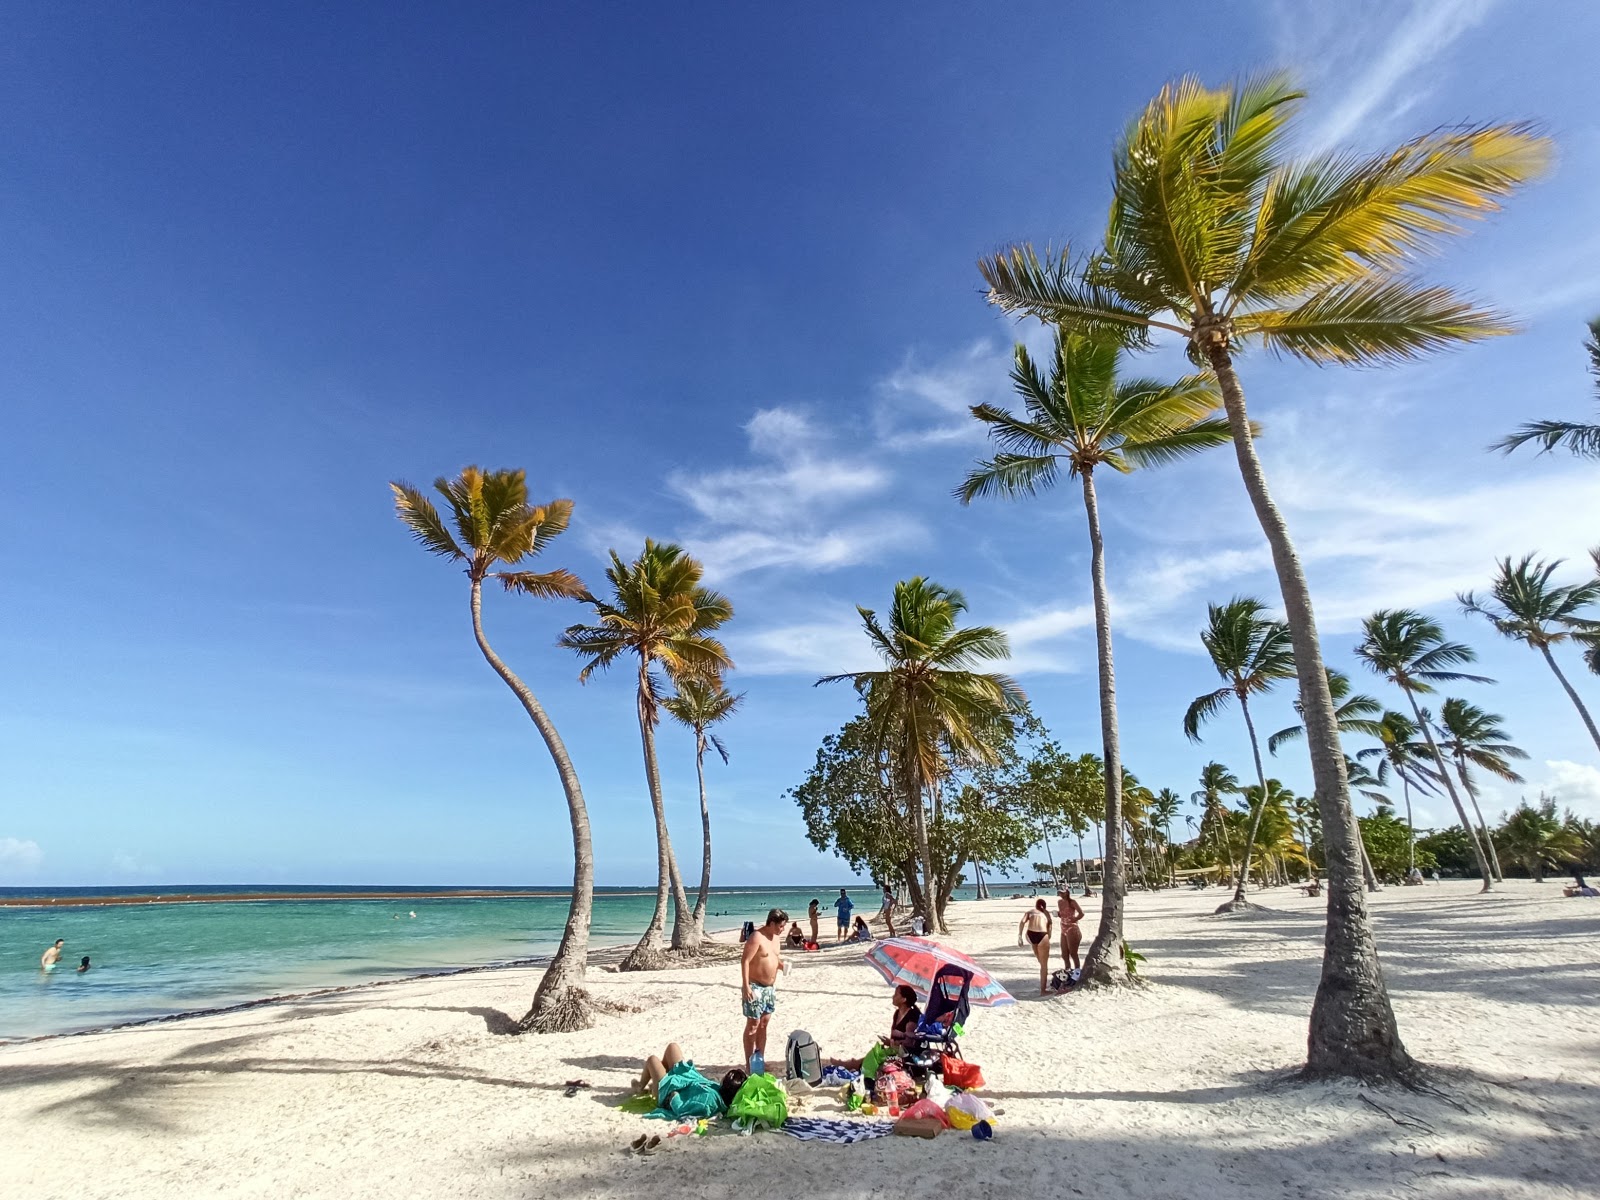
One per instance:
(1162, 811)
(1409, 650)
(929, 700)
(700, 704)
(1474, 737)
(659, 612)
(1401, 755)
(1136, 802)
(1582, 440)
(1352, 713)
(1215, 782)
(1252, 653)
(1083, 416)
(1526, 607)
(1215, 235)
(494, 528)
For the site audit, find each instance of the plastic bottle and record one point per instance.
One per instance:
(758, 1063)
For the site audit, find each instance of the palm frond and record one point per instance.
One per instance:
(1009, 475)
(559, 584)
(1203, 709)
(420, 516)
(1054, 290)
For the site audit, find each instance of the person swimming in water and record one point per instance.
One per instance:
(1035, 925)
(52, 956)
(84, 965)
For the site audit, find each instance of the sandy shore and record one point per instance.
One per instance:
(1175, 1089)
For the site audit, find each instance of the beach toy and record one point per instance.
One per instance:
(868, 1109)
(982, 1131)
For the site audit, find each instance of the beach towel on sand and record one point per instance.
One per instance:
(685, 1094)
(841, 1133)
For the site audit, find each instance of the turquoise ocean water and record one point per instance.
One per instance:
(152, 960)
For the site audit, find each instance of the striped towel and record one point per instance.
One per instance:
(843, 1133)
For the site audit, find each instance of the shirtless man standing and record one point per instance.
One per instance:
(758, 975)
(52, 956)
(1070, 912)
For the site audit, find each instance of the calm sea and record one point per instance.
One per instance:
(152, 960)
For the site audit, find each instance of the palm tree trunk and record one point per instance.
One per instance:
(1238, 900)
(647, 954)
(1411, 830)
(559, 1002)
(1367, 872)
(1219, 833)
(932, 917)
(1449, 786)
(1573, 695)
(1105, 953)
(1483, 829)
(705, 835)
(1353, 1030)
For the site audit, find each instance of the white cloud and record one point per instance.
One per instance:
(1379, 84)
(927, 403)
(127, 864)
(19, 855)
(800, 504)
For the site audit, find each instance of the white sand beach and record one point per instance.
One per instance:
(1177, 1088)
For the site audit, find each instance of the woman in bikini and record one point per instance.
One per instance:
(1070, 912)
(1035, 925)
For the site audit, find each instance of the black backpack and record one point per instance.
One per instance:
(748, 930)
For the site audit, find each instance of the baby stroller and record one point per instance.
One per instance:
(947, 1009)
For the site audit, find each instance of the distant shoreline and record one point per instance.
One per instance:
(253, 897)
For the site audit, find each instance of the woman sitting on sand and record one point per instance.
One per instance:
(797, 937)
(902, 1029)
(861, 933)
(1036, 925)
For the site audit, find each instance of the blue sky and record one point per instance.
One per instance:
(709, 272)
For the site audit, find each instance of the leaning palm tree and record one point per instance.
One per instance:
(929, 704)
(1582, 440)
(1216, 781)
(1252, 653)
(496, 528)
(660, 613)
(1409, 650)
(700, 704)
(1080, 417)
(1216, 236)
(1526, 607)
(1475, 738)
(1401, 755)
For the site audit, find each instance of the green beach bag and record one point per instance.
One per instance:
(761, 1102)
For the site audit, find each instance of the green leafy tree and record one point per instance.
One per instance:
(1067, 794)
(929, 705)
(1475, 738)
(660, 613)
(1389, 844)
(1253, 654)
(1536, 838)
(1410, 651)
(699, 704)
(1400, 755)
(495, 528)
(1526, 607)
(1083, 416)
(1579, 439)
(1217, 236)
(1449, 849)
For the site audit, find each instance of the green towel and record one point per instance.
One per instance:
(686, 1095)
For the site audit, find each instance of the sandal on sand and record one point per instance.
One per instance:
(574, 1086)
(644, 1148)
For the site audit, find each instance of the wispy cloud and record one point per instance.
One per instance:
(19, 855)
(926, 403)
(1380, 84)
(799, 505)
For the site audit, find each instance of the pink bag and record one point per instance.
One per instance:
(925, 1108)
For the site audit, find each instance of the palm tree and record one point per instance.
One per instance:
(1582, 440)
(1215, 782)
(1353, 714)
(1252, 653)
(929, 700)
(1364, 784)
(1524, 606)
(700, 704)
(1216, 236)
(1163, 810)
(1084, 416)
(496, 527)
(1136, 802)
(1409, 650)
(1474, 736)
(1401, 755)
(659, 612)
(1537, 839)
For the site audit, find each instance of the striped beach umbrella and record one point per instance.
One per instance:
(914, 960)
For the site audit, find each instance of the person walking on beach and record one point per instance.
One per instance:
(845, 906)
(1035, 924)
(1070, 912)
(758, 978)
(887, 911)
(52, 956)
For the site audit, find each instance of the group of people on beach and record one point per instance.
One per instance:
(1036, 927)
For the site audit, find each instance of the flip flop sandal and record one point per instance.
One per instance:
(637, 1145)
(651, 1146)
